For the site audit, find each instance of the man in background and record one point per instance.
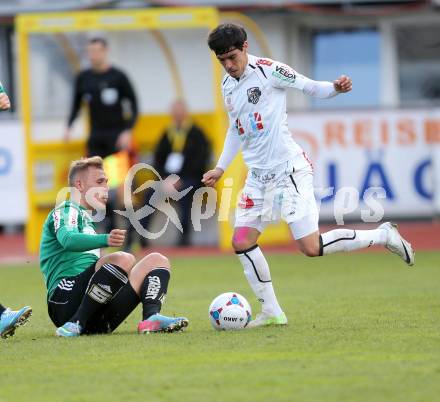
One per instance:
(106, 90)
(112, 108)
(9, 319)
(183, 150)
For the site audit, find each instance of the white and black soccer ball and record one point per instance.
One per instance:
(230, 311)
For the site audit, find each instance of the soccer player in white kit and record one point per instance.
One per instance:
(280, 177)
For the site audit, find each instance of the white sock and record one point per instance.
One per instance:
(257, 273)
(349, 239)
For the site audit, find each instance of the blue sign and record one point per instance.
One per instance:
(5, 161)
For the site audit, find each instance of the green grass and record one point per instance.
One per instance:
(363, 327)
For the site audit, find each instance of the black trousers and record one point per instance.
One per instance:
(102, 142)
(67, 297)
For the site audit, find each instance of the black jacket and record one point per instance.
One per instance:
(105, 93)
(196, 152)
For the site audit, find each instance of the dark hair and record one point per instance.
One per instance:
(102, 41)
(226, 37)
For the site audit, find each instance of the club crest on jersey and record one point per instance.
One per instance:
(253, 94)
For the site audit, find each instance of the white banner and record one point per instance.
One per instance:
(396, 150)
(13, 200)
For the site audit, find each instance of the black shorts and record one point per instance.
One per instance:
(67, 297)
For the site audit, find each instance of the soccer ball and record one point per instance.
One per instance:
(229, 311)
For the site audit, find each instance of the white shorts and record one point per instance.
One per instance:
(285, 192)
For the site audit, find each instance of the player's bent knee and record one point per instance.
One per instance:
(310, 250)
(156, 260)
(144, 267)
(242, 244)
(244, 238)
(122, 259)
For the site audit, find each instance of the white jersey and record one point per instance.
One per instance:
(256, 104)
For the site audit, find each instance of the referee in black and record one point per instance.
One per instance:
(111, 100)
(113, 111)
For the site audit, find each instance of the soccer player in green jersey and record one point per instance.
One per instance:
(9, 319)
(89, 294)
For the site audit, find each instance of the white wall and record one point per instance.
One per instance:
(13, 200)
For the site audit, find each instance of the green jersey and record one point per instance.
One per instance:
(69, 243)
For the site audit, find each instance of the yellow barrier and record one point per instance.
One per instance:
(47, 163)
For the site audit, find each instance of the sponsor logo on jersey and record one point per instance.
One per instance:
(253, 95)
(264, 62)
(73, 217)
(284, 73)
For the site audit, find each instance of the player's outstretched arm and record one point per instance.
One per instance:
(283, 76)
(325, 89)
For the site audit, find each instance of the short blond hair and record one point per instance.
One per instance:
(81, 165)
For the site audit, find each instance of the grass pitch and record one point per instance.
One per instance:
(362, 327)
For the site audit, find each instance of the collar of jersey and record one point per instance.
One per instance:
(75, 203)
(248, 70)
